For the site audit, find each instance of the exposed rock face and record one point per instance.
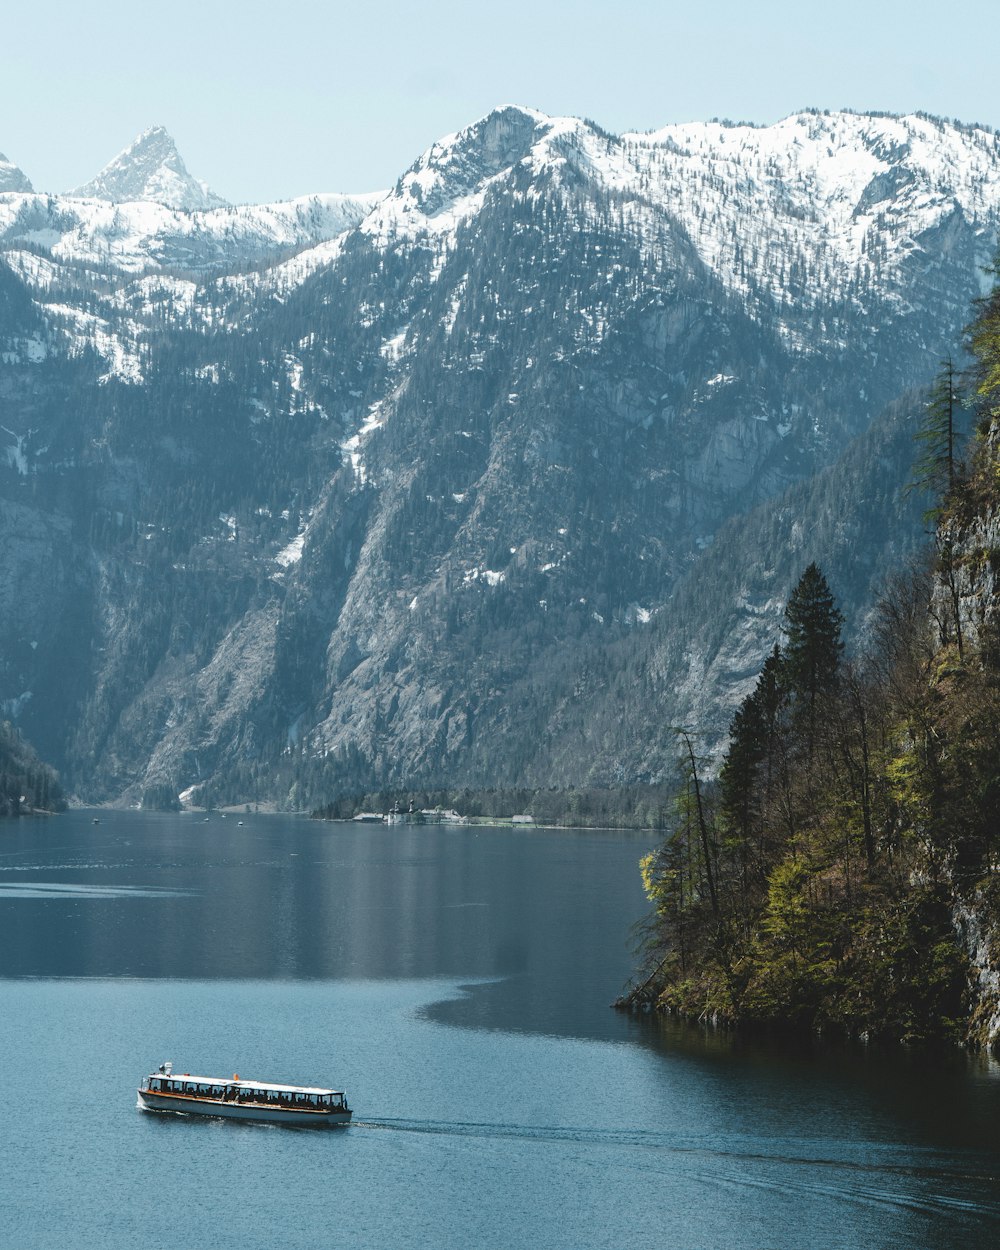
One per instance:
(453, 486)
(973, 540)
(980, 941)
(967, 591)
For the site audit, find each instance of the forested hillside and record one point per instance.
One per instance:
(842, 873)
(26, 783)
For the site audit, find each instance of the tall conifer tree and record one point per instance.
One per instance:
(812, 653)
(936, 467)
(749, 770)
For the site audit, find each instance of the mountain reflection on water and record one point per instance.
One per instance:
(293, 899)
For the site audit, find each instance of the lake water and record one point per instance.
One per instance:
(456, 982)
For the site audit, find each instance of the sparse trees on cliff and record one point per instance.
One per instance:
(936, 468)
(815, 903)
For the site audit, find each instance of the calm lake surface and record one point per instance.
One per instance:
(456, 983)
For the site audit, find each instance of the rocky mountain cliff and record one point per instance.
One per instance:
(12, 178)
(488, 479)
(150, 168)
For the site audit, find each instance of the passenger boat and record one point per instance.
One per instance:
(236, 1099)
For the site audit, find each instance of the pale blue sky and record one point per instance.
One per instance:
(271, 100)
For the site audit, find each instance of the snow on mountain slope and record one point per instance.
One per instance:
(375, 443)
(150, 168)
(12, 178)
(819, 207)
(845, 196)
(140, 236)
(136, 253)
(818, 210)
(445, 186)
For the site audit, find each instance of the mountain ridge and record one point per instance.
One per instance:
(358, 499)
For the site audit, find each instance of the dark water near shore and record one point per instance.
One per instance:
(456, 982)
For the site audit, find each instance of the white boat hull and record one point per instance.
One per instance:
(186, 1105)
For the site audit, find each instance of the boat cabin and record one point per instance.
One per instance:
(299, 1097)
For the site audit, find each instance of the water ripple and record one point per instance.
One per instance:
(76, 890)
(919, 1177)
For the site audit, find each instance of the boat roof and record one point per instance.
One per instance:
(236, 1083)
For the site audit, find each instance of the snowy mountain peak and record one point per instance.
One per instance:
(447, 183)
(12, 178)
(460, 163)
(150, 168)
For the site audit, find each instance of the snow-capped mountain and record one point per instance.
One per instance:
(12, 178)
(150, 168)
(142, 237)
(404, 487)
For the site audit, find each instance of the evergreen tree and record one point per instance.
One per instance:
(812, 653)
(857, 803)
(936, 468)
(696, 808)
(751, 768)
(983, 338)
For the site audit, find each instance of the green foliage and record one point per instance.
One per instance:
(811, 664)
(857, 826)
(850, 806)
(813, 624)
(936, 468)
(983, 337)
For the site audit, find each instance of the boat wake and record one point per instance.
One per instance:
(932, 1184)
(75, 890)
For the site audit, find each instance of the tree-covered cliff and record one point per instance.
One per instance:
(841, 874)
